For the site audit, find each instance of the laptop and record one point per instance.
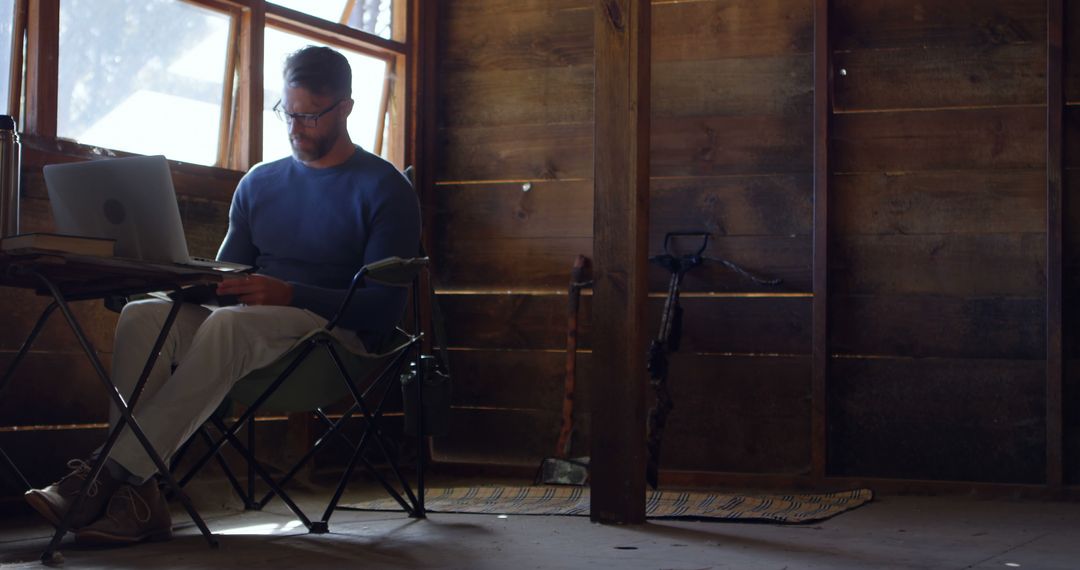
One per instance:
(130, 200)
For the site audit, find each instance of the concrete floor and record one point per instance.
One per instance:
(891, 532)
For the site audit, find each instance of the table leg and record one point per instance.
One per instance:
(25, 348)
(126, 418)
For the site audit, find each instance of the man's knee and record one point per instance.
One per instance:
(139, 315)
(225, 321)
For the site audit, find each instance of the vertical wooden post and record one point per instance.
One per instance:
(42, 67)
(252, 29)
(620, 247)
(1055, 106)
(421, 130)
(820, 310)
(15, 71)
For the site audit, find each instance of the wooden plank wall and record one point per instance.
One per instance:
(938, 240)
(731, 130)
(937, 230)
(1071, 186)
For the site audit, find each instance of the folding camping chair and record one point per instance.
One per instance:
(317, 372)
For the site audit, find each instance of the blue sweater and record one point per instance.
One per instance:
(315, 228)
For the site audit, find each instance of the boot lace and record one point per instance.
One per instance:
(126, 499)
(81, 470)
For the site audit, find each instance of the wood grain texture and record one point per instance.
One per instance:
(53, 388)
(968, 420)
(1071, 413)
(22, 308)
(500, 35)
(518, 152)
(769, 86)
(505, 437)
(543, 96)
(979, 139)
(710, 325)
(505, 210)
(724, 206)
(932, 326)
(541, 263)
(726, 408)
(936, 24)
(959, 265)
(620, 251)
(695, 31)
(42, 455)
(955, 77)
(1072, 52)
(725, 145)
(958, 202)
(739, 415)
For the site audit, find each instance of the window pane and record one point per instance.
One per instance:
(371, 16)
(143, 76)
(369, 75)
(7, 15)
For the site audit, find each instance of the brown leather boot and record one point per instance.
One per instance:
(134, 514)
(55, 500)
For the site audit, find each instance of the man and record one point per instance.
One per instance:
(307, 223)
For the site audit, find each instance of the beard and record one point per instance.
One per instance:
(308, 149)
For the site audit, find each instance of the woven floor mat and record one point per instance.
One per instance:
(574, 501)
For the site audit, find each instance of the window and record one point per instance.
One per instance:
(143, 77)
(7, 13)
(177, 77)
(371, 16)
(369, 81)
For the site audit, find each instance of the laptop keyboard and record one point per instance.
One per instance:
(219, 265)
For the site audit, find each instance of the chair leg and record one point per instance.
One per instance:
(249, 498)
(334, 429)
(228, 471)
(261, 472)
(371, 431)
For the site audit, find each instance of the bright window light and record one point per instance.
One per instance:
(143, 77)
(371, 16)
(263, 529)
(7, 12)
(369, 75)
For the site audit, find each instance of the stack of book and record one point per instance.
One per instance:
(38, 242)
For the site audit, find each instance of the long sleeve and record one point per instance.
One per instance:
(315, 228)
(393, 230)
(238, 247)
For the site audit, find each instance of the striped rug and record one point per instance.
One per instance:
(564, 500)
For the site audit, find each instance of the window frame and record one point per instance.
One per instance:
(33, 94)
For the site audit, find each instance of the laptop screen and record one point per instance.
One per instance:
(130, 200)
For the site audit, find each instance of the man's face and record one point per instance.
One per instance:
(312, 142)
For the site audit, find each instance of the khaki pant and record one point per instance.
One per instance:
(210, 350)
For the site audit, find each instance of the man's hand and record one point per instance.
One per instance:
(257, 290)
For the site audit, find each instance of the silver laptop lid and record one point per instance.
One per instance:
(129, 199)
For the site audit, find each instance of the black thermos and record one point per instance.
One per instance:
(10, 165)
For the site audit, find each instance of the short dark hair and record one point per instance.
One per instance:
(320, 70)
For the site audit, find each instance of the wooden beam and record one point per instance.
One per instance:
(820, 310)
(1055, 109)
(420, 132)
(42, 67)
(250, 115)
(15, 70)
(620, 247)
(332, 32)
(226, 117)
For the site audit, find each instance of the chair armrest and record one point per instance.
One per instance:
(394, 271)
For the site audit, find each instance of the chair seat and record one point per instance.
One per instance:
(315, 383)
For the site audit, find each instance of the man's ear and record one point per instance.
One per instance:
(348, 106)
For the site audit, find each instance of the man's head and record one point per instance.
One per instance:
(316, 102)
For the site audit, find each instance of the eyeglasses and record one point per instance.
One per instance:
(308, 120)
